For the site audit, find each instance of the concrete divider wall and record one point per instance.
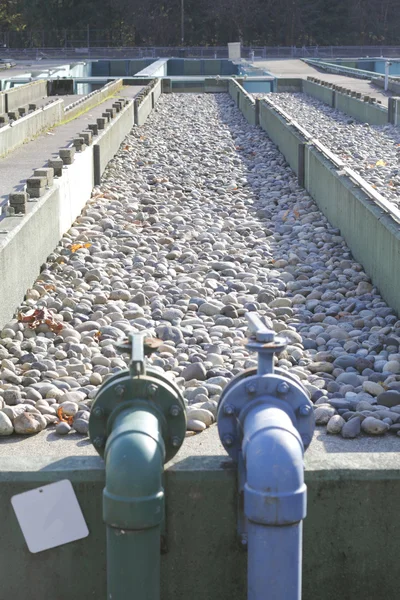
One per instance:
(93, 99)
(243, 101)
(321, 92)
(371, 233)
(31, 238)
(285, 137)
(374, 114)
(373, 236)
(2, 103)
(25, 94)
(362, 111)
(393, 85)
(28, 127)
(158, 68)
(107, 144)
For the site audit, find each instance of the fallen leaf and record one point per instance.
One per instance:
(380, 163)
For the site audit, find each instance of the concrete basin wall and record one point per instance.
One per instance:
(27, 128)
(283, 135)
(372, 234)
(93, 99)
(107, 144)
(350, 534)
(145, 105)
(244, 101)
(374, 114)
(25, 94)
(26, 241)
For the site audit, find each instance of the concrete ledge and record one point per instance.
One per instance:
(93, 99)
(25, 94)
(27, 128)
(285, 137)
(108, 142)
(288, 84)
(244, 101)
(159, 68)
(146, 101)
(353, 488)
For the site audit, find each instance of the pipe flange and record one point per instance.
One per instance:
(152, 389)
(249, 389)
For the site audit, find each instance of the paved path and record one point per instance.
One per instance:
(298, 68)
(20, 164)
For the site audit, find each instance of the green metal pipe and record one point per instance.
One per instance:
(133, 504)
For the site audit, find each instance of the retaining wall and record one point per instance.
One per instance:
(352, 505)
(244, 101)
(30, 238)
(107, 144)
(284, 137)
(372, 234)
(25, 94)
(93, 99)
(28, 127)
(374, 114)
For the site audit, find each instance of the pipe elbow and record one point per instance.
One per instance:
(134, 457)
(274, 493)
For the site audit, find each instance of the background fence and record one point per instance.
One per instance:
(101, 44)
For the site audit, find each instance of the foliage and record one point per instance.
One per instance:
(213, 22)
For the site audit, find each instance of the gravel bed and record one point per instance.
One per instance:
(199, 219)
(372, 151)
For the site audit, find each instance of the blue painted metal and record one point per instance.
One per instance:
(265, 421)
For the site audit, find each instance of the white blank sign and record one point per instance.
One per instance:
(50, 516)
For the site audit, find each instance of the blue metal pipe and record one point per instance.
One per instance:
(275, 498)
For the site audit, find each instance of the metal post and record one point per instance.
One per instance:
(387, 69)
(182, 22)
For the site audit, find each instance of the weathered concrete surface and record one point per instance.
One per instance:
(353, 488)
(30, 126)
(17, 167)
(297, 68)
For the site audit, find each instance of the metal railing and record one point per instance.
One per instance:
(81, 49)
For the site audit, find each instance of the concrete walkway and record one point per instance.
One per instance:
(20, 164)
(300, 69)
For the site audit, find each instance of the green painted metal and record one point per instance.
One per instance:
(137, 423)
(133, 505)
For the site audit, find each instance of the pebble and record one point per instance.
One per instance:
(335, 424)
(373, 426)
(199, 222)
(6, 426)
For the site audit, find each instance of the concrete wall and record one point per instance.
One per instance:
(285, 137)
(2, 103)
(370, 232)
(193, 67)
(25, 94)
(394, 86)
(362, 111)
(93, 99)
(351, 531)
(373, 236)
(28, 127)
(374, 114)
(158, 68)
(288, 84)
(108, 143)
(321, 92)
(145, 103)
(243, 101)
(31, 238)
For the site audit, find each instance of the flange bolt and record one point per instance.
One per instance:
(174, 411)
(229, 410)
(98, 442)
(305, 410)
(227, 440)
(98, 412)
(283, 388)
(175, 441)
